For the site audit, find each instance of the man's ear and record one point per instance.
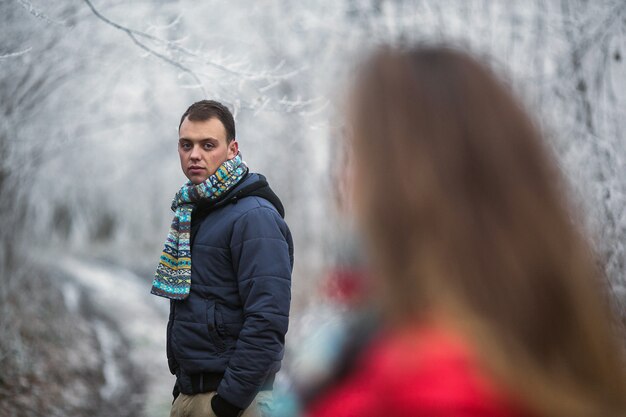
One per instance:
(233, 148)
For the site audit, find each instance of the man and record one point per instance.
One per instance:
(226, 267)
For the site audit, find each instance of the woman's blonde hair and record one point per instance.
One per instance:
(465, 213)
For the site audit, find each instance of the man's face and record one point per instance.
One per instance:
(202, 148)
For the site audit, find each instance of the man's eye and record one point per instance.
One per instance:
(185, 146)
(208, 146)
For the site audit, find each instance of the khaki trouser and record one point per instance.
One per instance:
(199, 405)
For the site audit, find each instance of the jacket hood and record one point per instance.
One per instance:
(254, 184)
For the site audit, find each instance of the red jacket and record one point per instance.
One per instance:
(425, 372)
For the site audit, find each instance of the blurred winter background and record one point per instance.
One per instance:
(90, 97)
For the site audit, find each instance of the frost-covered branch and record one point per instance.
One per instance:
(270, 77)
(614, 15)
(135, 34)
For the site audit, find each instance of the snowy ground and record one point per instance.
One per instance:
(132, 313)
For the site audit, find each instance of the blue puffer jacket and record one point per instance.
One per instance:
(229, 333)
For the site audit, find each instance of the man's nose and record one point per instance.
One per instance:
(195, 153)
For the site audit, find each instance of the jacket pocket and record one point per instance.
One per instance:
(213, 325)
(220, 324)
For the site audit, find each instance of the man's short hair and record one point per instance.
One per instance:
(207, 109)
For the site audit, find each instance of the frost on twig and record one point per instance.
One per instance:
(15, 54)
(38, 13)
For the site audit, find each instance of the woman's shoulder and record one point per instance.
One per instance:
(432, 368)
(421, 370)
(416, 351)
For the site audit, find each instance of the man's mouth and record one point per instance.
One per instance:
(195, 169)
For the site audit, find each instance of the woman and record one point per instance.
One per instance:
(491, 301)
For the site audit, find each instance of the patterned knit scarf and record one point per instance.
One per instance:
(173, 275)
